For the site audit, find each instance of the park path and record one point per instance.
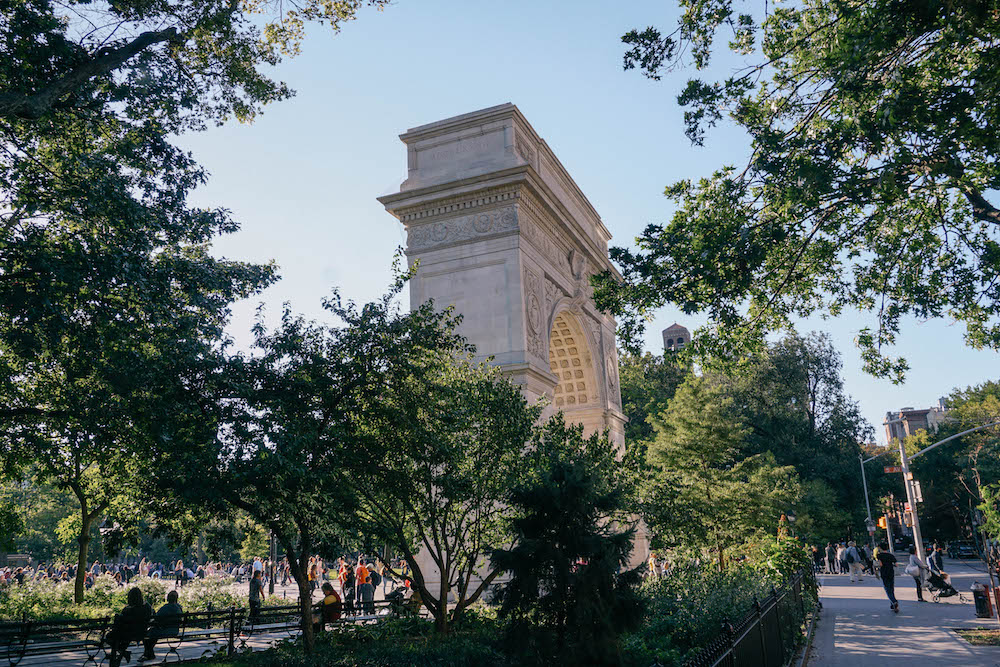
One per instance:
(856, 627)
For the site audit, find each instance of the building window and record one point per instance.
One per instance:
(680, 342)
(670, 342)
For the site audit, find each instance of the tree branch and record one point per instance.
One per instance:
(106, 60)
(981, 208)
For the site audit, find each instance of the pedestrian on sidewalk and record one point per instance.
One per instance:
(853, 561)
(831, 558)
(916, 568)
(842, 558)
(887, 573)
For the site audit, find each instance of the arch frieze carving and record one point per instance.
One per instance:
(464, 228)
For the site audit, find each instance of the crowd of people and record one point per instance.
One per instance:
(854, 560)
(347, 586)
(180, 572)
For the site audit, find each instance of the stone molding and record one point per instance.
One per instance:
(448, 205)
(463, 228)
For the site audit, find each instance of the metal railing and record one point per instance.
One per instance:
(768, 635)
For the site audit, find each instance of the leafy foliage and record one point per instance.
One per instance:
(648, 382)
(686, 608)
(874, 139)
(422, 479)
(475, 642)
(705, 491)
(282, 440)
(46, 599)
(569, 597)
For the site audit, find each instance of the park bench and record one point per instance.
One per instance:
(24, 639)
(269, 620)
(216, 626)
(223, 628)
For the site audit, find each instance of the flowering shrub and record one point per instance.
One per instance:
(46, 599)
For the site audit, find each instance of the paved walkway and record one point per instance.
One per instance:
(857, 629)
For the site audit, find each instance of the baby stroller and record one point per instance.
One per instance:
(940, 586)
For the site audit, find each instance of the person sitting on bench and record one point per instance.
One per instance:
(166, 623)
(129, 626)
(329, 609)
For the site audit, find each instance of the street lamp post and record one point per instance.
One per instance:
(864, 481)
(868, 506)
(911, 498)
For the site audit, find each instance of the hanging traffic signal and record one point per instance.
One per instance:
(881, 523)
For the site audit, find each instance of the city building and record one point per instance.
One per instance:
(675, 337)
(907, 421)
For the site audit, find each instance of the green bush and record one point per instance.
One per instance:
(473, 642)
(46, 599)
(686, 609)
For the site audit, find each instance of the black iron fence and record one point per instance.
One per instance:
(767, 636)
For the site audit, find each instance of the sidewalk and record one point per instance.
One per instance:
(856, 627)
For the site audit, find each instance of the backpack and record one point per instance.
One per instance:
(850, 555)
(375, 578)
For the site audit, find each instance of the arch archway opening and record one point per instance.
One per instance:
(571, 361)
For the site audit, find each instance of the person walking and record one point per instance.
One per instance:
(853, 561)
(916, 568)
(841, 559)
(887, 573)
(831, 559)
(179, 574)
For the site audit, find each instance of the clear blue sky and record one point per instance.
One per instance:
(303, 178)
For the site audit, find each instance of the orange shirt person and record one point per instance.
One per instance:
(361, 574)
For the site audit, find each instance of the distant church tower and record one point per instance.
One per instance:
(675, 337)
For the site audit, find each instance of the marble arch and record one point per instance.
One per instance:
(502, 231)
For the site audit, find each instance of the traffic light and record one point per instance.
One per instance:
(881, 522)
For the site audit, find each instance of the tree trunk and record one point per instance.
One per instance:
(81, 558)
(441, 615)
(305, 608)
(300, 572)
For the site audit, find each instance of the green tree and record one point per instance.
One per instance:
(111, 305)
(791, 399)
(256, 542)
(874, 145)
(952, 476)
(282, 433)
(648, 382)
(37, 509)
(569, 596)
(438, 454)
(704, 491)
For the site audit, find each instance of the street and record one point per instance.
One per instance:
(856, 627)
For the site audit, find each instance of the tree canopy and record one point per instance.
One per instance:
(871, 183)
(435, 458)
(705, 490)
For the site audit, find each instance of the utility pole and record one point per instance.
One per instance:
(908, 479)
(274, 557)
(869, 524)
(911, 498)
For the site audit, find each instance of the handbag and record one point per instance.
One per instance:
(912, 570)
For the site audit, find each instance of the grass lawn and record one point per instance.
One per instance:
(981, 636)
